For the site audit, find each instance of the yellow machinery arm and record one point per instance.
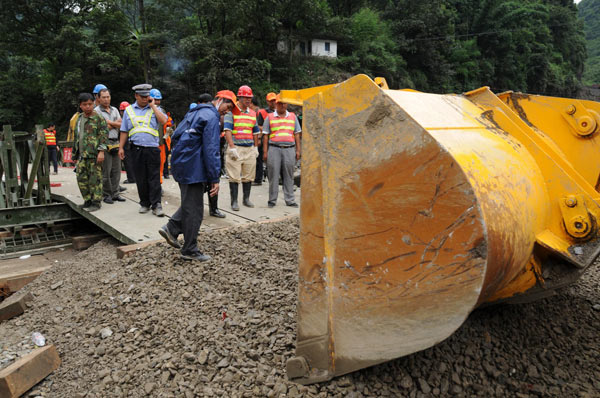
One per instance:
(417, 208)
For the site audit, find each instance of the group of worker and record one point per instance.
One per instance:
(196, 164)
(103, 133)
(136, 134)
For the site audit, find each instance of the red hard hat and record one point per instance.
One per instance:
(245, 91)
(123, 105)
(227, 94)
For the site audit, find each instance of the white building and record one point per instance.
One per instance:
(315, 47)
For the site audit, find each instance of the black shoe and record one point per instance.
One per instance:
(217, 213)
(118, 198)
(196, 257)
(271, 205)
(165, 233)
(94, 207)
(213, 206)
(247, 186)
(122, 189)
(256, 184)
(233, 191)
(86, 204)
(167, 177)
(293, 204)
(128, 182)
(108, 199)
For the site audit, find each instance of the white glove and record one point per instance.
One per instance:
(255, 151)
(233, 153)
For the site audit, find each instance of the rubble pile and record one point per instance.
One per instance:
(154, 325)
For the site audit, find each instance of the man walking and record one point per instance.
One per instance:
(140, 123)
(111, 167)
(281, 148)
(195, 162)
(50, 137)
(241, 133)
(260, 119)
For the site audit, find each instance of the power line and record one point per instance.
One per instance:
(490, 32)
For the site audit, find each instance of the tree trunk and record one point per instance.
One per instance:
(143, 47)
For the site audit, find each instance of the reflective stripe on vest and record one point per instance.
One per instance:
(141, 124)
(50, 138)
(282, 128)
(243, 123)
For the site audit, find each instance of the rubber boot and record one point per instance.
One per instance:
(247, 186)
(233, 191)
(214, 207)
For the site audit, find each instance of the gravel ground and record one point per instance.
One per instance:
(153, 325)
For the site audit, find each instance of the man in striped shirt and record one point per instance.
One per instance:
(281, 150)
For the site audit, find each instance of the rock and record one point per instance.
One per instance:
(202, 357)
(424, 386)
(532, 371)
(178, 350)
(149, 387)
(103, 373)
(188, 356)
(105, 333)
(56, 285)
(406, 382)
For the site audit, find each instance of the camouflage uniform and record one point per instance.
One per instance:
(89, 172)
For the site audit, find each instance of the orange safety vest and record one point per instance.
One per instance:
(50, 138)
(282, 128)
(243, 123)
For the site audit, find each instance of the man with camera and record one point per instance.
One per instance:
(111, 168)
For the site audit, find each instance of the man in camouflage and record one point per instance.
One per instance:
(91, 134)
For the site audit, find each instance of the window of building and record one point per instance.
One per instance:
(327, 46)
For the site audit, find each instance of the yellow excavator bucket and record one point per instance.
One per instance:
(417, 208)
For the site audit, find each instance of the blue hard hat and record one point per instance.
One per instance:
(154, 93)
(99, 87)
(193, 105)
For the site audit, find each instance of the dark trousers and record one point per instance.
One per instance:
(223, 150)
(53, 157)
(146, 167)
(259, 165)
(111, 173)
(129, 162)
(188, 218)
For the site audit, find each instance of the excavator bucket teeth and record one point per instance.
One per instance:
(416, 208)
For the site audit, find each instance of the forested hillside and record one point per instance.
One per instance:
(589, 12)
(52, 49)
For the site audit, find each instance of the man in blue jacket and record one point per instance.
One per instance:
(195, 162)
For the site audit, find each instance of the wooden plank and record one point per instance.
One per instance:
(16, 275)
(14, 306)
(15, 284)
(27, 371)
(85, 241)
(123, 251)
